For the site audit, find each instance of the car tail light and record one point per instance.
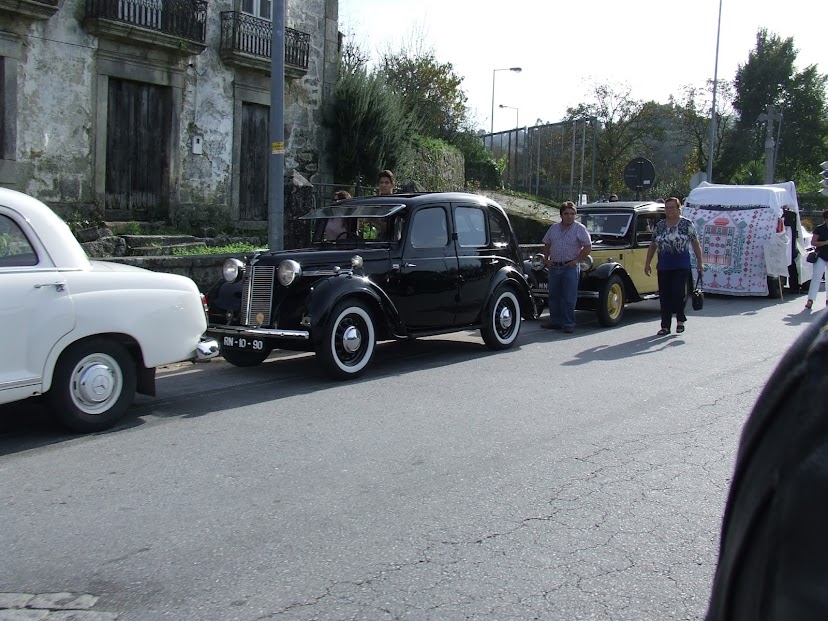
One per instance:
(204, 304)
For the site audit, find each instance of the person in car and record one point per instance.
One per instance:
(673, 237)
(336, 226)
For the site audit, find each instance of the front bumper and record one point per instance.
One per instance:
(219, 331)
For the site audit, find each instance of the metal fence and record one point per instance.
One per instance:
(252, 35)
(556, 160)
(182, 18)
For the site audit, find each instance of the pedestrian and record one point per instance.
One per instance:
(613, 198)
(820, 242)
(341, 195)
(385, 183)
(565, 245)
(673, 237)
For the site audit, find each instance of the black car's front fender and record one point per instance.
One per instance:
(224, 297)
(329, 292)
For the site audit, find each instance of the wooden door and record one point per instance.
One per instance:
(255, 140)
(137, 149)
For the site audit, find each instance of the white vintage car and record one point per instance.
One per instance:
(86, 334)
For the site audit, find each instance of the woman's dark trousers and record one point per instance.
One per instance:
(672, 294)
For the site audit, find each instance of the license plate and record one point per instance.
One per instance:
(241, 342)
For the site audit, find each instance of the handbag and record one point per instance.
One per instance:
(698, 294)
(812, 256)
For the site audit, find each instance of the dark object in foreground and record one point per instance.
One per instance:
(773, 559)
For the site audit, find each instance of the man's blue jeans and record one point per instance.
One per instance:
(563, 295)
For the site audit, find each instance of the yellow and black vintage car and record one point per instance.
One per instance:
(613, 275)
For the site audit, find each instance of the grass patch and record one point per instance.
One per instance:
(238, 248)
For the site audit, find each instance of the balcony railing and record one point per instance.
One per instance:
(37, 9)
(179, 19)
(245, 40)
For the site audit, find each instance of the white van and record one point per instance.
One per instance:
(737, 226)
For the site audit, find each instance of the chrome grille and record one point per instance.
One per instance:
(257, 294)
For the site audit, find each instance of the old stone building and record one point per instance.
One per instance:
(159, 109)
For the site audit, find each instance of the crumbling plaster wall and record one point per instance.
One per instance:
(56, 124)
(55, 79)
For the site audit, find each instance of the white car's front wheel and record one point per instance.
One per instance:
(93, 385)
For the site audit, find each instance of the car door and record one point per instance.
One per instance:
(478, 260)
(425, 288)
(644, 226)
(35, 308)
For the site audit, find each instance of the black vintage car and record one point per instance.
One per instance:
(614, 274)
(378, 268)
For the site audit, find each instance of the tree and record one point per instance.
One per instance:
(769, 77)
(372, 130)
(430, 90)
(628, 128)
(692, 121)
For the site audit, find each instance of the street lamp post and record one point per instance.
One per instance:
(494, 72)
(517, 114)
(713, 106)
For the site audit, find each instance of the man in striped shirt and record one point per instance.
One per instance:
(565, 245)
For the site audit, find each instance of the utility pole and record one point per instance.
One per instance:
(276, 161)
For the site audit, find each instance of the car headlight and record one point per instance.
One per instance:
(537, 262)
(586, 264)
(288, 271)
(232, 270)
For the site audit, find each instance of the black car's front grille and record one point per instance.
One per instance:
(257, 295)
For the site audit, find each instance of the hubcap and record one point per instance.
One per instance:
(614, 301)
(97, 383)
(351, 339)
(505, 318)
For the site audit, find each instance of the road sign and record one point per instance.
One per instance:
(639, 174)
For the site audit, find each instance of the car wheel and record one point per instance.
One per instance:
(348, 340)
(93, 385)
(244, 358)
(501, 320)
(611, 302)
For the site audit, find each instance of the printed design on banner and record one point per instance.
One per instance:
(732, 240)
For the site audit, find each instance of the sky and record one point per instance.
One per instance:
(655, 47)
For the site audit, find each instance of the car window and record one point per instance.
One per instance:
(645, 225)
(15, 249)
(498, 228)
(471, 226)
(428, 229)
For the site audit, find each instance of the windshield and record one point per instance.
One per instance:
(606, 224)
(357, 224)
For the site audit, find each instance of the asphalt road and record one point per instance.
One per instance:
(575, 476)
